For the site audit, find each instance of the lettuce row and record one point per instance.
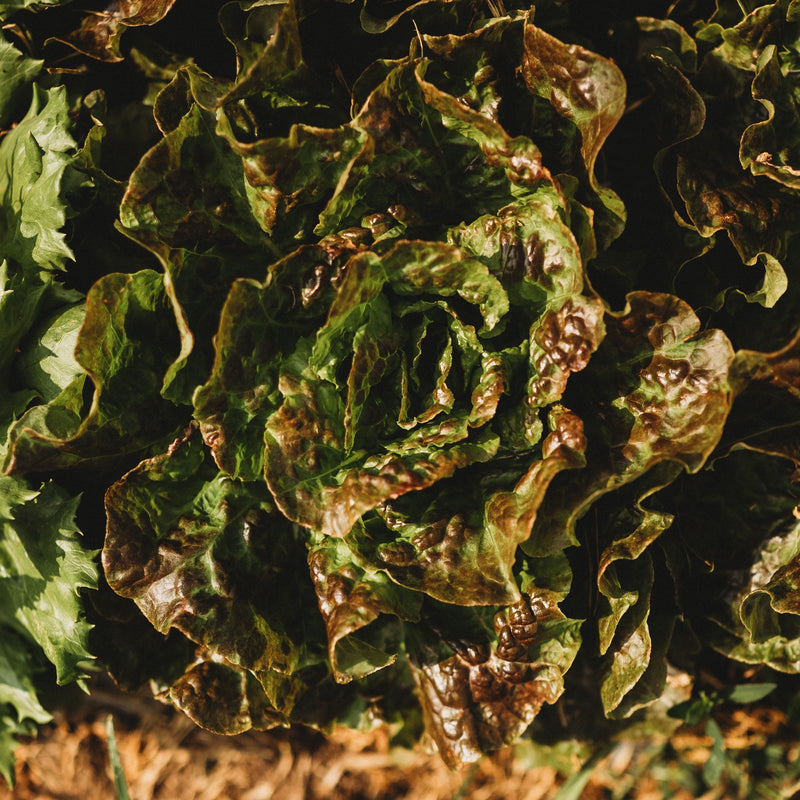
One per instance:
(370, 419)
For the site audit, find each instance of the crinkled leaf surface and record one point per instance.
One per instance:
(770, 147)
(766, 629)
(200, 223)
(351, 597)
(669, 401)
(99, 34)
(740, 81)
(48, 363)
(33, 158)
(461, 547)
(253, 338)
(212, 559)
(391, 241)
(587, 93)
(487, 693)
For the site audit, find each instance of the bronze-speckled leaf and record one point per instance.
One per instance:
(657, 390)
(352, 598)
(482, 698)
(210, 557)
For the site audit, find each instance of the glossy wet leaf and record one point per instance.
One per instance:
(447, 299)
(351, 598)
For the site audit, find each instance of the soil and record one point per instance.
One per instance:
(166, 757)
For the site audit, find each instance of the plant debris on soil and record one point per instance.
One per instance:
(165, 756)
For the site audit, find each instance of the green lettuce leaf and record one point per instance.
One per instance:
(212, 559)
(113, 349)
(17, 687)
(17, 73)
(7, 9)
(45, 566)
(351, 598)
(587, 94)
(34, 158)
(200, 223)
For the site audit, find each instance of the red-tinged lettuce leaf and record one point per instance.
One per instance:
(316, 484)
(292, 178)
(779, 369)
(203, 224)
(719, 197)
(223, 699)
(259, 326)
(741, 33)
(265, 38)
(680, 115)
(170, 203)
(99, 34)
(44, 568)
(387, 169)
(562, 343)
(273, 80)
(374, 20)
(587, 95)
(458, 542)
(652, 682)
(123, 315)
(342, 441)
(734, 532)
(486, 694)
(447, 149)
(765, 417)
(355, 602)
(620, 558)
(716, 194)
(658, 391)
(212, 559)
(527, 246)
(632, 635)
(187, 86)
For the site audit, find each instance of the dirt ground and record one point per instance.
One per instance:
(166, 757)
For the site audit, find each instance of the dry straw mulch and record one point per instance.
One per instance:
(166, 757)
